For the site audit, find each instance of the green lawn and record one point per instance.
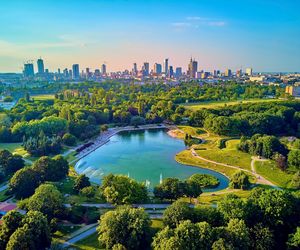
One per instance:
(91, 242)
(12, 147)
(4, 196)
(228, 155)
(88, 243)
(268, 170)
(218, 104)
(42, 97)
(185, 157)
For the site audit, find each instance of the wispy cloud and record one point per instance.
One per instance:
(197, 21)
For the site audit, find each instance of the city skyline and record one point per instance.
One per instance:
(119, 33)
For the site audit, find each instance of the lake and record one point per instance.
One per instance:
(146, 156)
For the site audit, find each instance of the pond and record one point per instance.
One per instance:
(147, 156)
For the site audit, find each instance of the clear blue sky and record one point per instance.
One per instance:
(263, 34)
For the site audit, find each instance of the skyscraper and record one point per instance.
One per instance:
(171, 71)
(134, 70)
(178, 72)
(192, 68)
(146, 69)
(40, 64)
(75, 70)
(103, 69)
(166, 66)
(249, 71)
(28, 70)
(157, 68)
(228, 73)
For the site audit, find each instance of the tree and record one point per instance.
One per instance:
(231, 206)
(51, 169)
(238, 234)
(261, 237)
(10, 222)
(81, 182)
(280, 161)
(120, 189)
(170, 188)
(294, 159)
(10, 163)
(294, 240)
(69, 139)
(24, 182)
(126, 226)
(176, 213)
(186, 236)
(48, 200)
(240, 180)
(33, 233)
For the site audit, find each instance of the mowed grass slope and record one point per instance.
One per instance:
(218, 104)
(229, 155)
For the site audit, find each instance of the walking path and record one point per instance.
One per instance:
(259, 179)
(80, 234)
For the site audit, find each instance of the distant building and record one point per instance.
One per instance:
(66, 73)
(166, 66)
(249, 72)
(228, 73)
(178, 72)
(97, 72)
(157, 68)
(171, 71)
(257, 78)
(239, 73)
(28, 70)
(41, 68)
(103, 69)
(146, 69)
(135, 69)
(293, 90)
(192, 68)
(75, 70)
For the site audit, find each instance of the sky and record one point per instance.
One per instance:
(263, 34)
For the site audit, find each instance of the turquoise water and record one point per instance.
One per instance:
(143, 155)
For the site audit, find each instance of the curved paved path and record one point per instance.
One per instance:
(259, 179)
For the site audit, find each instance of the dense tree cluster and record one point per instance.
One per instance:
(272, 118)
(262, 145)
(120, 189)
(26, 180)
(30, 231)
(10, 163)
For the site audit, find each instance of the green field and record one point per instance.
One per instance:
(88, 243)
(229, 155)
(218, 104)
(43, 97)
(12, 147)
(268, 170)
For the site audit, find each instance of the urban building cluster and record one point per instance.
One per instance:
(159, 72)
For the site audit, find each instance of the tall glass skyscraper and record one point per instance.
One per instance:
(75, 70)
(40, 64)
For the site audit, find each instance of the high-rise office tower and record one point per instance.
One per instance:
(228, 73)
(135, 70)
(97, 72)
(87, 72)
(171, 71)
(166, 66)
(66, 72)
(75, 69)
(157, 68)
(146, 69)
(239, 73)
(58, 71)
(192, 68)
(178, 72)
(249, 71)
(103, 69)
(28, 70)
(40, 64)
